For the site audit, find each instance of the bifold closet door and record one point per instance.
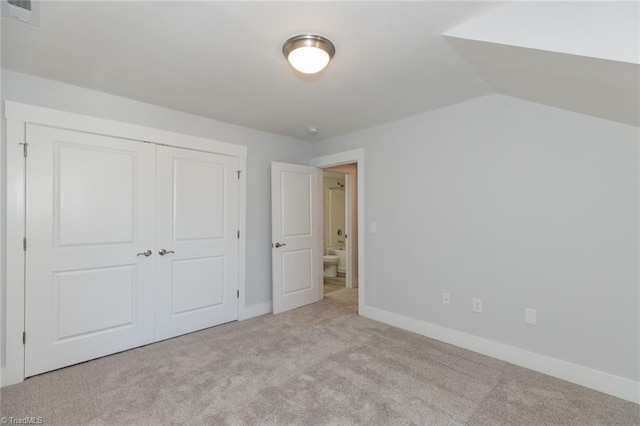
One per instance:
(197, 239)
(90, 216)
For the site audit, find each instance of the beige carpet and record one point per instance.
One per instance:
(317, 365)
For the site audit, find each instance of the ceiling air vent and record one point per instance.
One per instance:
(22, 4)
(23, 10)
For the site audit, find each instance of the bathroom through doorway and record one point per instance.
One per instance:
(340, 224)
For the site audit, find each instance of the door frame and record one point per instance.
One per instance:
(17, 116)
(349, 157)
(348, 227)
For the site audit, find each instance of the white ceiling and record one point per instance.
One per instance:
(223, 60)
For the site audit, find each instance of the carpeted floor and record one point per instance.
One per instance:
(317, 365)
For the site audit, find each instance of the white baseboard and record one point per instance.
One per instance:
(574, 373)
(256, 310)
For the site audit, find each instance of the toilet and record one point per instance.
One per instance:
(330, 266)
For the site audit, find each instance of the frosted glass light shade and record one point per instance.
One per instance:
(308, 53)
(308, 60)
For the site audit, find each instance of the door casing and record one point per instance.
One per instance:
(349, 157)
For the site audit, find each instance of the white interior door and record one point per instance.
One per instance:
(90, 211)
(197, 215)
(296, 235)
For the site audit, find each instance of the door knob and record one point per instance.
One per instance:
(145, 253)
(162, 252)
(278, 245)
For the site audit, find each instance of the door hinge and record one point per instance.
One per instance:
(24, 148)
(238, 174)
(238, 294)
(24, 244)
(238, 234)
(24, 337)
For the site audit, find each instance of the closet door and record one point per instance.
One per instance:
(90, 215)
(197, 223)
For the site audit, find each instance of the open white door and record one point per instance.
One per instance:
(296, 234)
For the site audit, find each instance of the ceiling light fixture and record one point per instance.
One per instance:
(308, 53)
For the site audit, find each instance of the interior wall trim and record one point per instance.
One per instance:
(85, 123)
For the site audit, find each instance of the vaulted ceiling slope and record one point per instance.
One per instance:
(584, 57)
(223, 60)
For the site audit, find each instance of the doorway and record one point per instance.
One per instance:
(340, 232)
(297, 252)
(352, 165)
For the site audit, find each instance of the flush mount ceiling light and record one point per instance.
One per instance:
(308, 53)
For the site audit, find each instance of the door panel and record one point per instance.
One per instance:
(90, 210)
(197, 202)
(297, 274)
(296, 228)
(95, 195)
(296, 208)
(104, 298)
(197, 284)
(198, 214)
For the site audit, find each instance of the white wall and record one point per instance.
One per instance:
(520, 204)
(262, 149)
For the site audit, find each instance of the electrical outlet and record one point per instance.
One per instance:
(477, 305)
(373, 228)
(530, 316)
(446, 298)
